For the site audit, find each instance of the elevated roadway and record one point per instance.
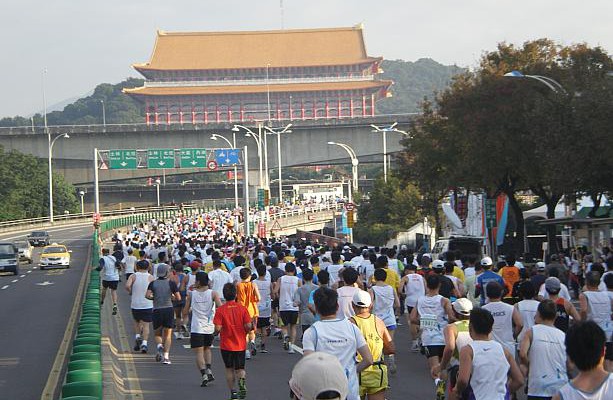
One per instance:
(306, 145)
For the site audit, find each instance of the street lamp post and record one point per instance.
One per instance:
(384, 130)
(103, 113)
(278, 132)
(552, 84)
(233, 146)
(157, 188)
(354, 162)
(50, 155)
(82, 194)
(257, 137)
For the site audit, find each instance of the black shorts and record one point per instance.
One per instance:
(164, 318)
(409, 309)
(200, 340)
(433, 351)
(142, 314)
(110, 284)
(289, 317)
(263, 322)
(274, 304)
(128, 274)
(233, 359)
(608, 355)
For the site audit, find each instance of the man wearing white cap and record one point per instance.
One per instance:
(318, 376)
(337, 337)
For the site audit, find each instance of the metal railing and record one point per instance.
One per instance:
(234, 82)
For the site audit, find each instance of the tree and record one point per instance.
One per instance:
(24, 188)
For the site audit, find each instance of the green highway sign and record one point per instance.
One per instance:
(160, 158)
(122, 159)
(192, 158)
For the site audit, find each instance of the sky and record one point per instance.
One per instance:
(84, 43)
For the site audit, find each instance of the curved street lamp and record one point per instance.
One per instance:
(354, 162)
(50, 155)
(215, 136)
(258, 140)
(552, 84)
(278, 132)
(384, 130)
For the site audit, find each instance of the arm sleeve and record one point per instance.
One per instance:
(308, 340)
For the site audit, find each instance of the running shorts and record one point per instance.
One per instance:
(289, 317)
(163, 318)
(433, 351)
(128, 274)
(263, 322)
(274, 304)
(110, 284)
(373, 379)
(409, 309)
(200, 340)
(142, 314)
(233, 359)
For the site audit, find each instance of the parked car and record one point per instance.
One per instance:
(39, 238)
(25, 251)
(9, 258)
(466, 244)
(55, 255)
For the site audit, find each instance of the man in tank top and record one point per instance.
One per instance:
(597, 306)
(543, 354)
(142, 308)
(564, 308)
(526, 307)
(264, 307)
(585, 347)
(385, 300)
(373, 380)
(487, 370)
(413, 286)
(456, 337)
(433, 312)
(507, 321)
(202, 302)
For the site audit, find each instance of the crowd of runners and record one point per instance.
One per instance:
(487, 330)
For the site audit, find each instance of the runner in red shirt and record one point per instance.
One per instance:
(232, 320)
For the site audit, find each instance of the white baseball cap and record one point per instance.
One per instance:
(438, 264)
(317, 373)
(487, 261)
(463, 306)
(362, 298)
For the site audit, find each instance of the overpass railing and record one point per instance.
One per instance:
(301, 210)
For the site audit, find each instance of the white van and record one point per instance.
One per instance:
(466, 244)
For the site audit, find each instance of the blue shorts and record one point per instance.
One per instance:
(391, 327)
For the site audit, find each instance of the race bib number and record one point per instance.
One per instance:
(428, 321)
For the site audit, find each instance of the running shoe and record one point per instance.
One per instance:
(248, 354)
(114, 309)
(137, 344)
(234, 396)
(205, 380)
(160, 354)
(166, 361)
(286, 343)
(291, 350)
(143, 348)
(209, 375)
(263, 348)
(253, 347)
(415, 347)
(242, 389)
(440, 389)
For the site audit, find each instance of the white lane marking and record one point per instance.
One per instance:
(45, 283)
(29, 272)
(4, 287)
(15, 280)
(23, 235)
(22, 276)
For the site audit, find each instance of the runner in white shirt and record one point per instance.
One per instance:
(218, 278)
(384, 301)
(526, 308)
(264, 307)
(285, 288)
(598, 307)
(334, 268)
(487, 370)
(506, 317)
(129, 262)
(543, 354)
(337, 337)
(346, 292)
(413, 286)
(142, 308)
(202, 303)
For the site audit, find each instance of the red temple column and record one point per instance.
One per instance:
(302, 109)
(242, 117)
(351, 107)
(181, 113)
(156, 115)
(339, 112)
(229, 112)
(327, 109)
(314, 108)
(217, 113)
(205, 113)
(147, 112)
(291, 112)
(278, 111)
(167, 113)
(193, 114)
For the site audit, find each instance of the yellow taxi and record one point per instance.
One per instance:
(55, 255)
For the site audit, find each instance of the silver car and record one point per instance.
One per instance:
(25, 251)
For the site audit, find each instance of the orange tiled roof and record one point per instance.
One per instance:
(283, 88)
(257, 49)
